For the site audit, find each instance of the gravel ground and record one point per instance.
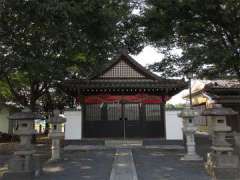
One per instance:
(151, 164)
(159, 164)
(4, 159)
(90, 165)
(166, 165)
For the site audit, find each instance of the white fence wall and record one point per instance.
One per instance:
(73, 127)
(173, 126)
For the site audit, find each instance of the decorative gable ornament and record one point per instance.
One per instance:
(124, 67)
(122, 70)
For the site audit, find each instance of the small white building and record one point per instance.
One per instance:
(4, 121)
(6, 126)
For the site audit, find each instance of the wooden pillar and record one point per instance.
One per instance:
(163, 116)
(104, 113)
(142, 119)
(83, 111)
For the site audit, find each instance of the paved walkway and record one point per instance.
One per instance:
(124, 163)
(123, 166)
(81, 165)
(156, 164)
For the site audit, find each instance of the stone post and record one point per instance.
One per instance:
(221, 164)
(56, 134)
(237, 142)
(20, 166)
(189, 130)
(237, 146)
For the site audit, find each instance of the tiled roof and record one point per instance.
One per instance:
(223, 84)
(124, 80)
(215, 86)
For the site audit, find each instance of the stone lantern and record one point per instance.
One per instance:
(21, 164)
(189, 130)
(56, 134)
(221, 162)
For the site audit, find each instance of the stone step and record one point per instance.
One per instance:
(90, 141)
(123, 143)
(84, 147)
(165, 147)
(160, 141)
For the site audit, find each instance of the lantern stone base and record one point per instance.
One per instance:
(226, 174)
(18, 176)
(223, 166)
(237, 142)
(191, 154)
(191, 157)
(20, 166)
(56, 149)
(21, 163)
(55, 158)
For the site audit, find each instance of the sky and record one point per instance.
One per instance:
(148, 56)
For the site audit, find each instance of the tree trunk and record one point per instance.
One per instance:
(33, 103)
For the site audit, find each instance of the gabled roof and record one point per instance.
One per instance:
(124, 76)
(123, 56)
(223, 84)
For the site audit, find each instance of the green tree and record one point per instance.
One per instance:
(207, 31)
(174, 107)
(50, 41)
(36, 35)
(5, 93)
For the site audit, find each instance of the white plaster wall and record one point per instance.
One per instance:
(73, 126)
(4, 121)
(173, 126)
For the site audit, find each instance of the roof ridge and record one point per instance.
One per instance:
(143, 68)
(137, 66)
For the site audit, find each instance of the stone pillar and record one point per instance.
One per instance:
(56, 134)
(21, 165)
(237, 143)
(237, 139)
(189, 130)
(221, 164)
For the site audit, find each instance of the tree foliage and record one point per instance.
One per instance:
(175, 107)
(207, 31)
(43, 42)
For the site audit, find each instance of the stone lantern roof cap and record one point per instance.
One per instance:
(22, 116)
(57, 119)
(218, 111)
(26, 114)
(188, 112)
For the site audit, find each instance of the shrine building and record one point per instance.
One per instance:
(125, 100)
